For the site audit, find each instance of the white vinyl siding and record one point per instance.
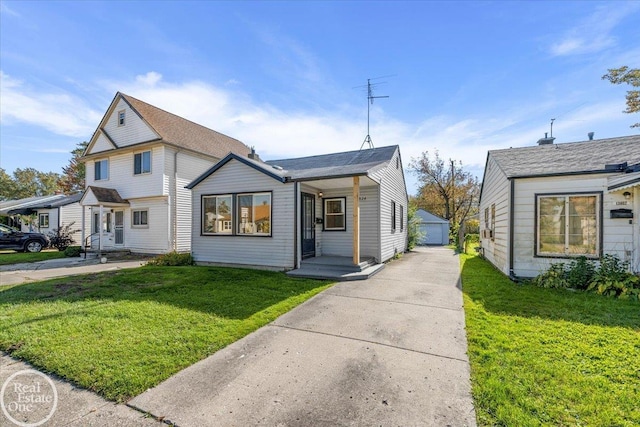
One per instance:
(102, 143)
(495, 192)
(72, 213)
(276, 251)
(617, 233)
(134, 131)
(392, 188)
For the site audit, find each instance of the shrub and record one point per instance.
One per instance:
(413, 227)
(72, 251)
(172, 259)
(60, 238)
(610, 278)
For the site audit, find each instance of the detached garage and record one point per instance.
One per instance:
(434, 230)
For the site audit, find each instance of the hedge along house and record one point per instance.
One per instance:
(554, 202)
(138, 162)
(336, 215)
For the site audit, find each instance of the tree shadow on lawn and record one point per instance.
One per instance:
(487, 286)
(225, 292)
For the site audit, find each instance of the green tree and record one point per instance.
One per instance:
(30, 182)
(630, 76)
(7, 186)
(73, 175)
(446, 190)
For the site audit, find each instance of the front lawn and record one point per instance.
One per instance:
(10, 257)
(548, 356)
(119, 333)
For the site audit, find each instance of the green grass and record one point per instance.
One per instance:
(7, 258)
(119, 333)
(547, 356)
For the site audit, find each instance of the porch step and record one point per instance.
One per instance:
(338, 271)
(339, 262)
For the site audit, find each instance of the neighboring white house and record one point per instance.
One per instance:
(279, 213)
(138, 162)
(16, 211)
(554, 202)
(433, 229)
(53, 213)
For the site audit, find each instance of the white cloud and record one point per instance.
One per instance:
(593, 34)
(58, 112)
(4, 9)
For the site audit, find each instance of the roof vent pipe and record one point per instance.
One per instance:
(590, 135)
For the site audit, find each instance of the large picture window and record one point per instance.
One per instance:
(101, 169)
(254, 214)
(142, 163)
(217, 214)
(334, 214)
(568, 225)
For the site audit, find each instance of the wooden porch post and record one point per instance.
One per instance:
(356, 220)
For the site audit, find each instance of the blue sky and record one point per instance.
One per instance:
(465, 77)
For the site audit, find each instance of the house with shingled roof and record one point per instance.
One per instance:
(551, 203)
(336, 216)
(138, 162)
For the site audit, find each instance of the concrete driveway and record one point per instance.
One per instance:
(387, 351)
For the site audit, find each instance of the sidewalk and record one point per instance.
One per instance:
(390, 350)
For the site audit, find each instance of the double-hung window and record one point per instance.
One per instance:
(121, 117)
(142, 163)
(140, 218)
(334, 214)
(568, 225)
(43, 220)
(254, 214)
(101, 169)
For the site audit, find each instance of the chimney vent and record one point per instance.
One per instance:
(546, 140)
(590, 135)
(252, 155)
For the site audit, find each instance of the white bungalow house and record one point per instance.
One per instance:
(554, 202)
(55, 212)
(344, 209)
(139, 161)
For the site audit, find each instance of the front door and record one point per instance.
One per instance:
(308, 231)
(118, 227)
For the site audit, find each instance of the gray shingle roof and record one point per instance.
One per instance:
(568, 158)
(29, 202)
(348, 163)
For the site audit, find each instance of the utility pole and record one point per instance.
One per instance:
(453, 190)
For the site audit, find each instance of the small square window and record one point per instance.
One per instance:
(121, 117)
(140, 218)
(43, 220)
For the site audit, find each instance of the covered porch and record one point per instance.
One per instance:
(628, 186)
(106, 210)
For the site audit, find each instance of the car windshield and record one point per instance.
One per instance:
(7, 229)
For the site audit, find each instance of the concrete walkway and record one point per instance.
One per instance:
(388, 351)
(37, 271)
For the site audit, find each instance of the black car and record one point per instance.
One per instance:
(10, 238)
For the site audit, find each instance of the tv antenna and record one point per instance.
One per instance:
(370, 98)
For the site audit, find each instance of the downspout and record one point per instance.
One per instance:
(296, 215)
(174, 231)
(512, 183)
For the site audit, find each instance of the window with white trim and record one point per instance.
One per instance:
(121, 117)
(568, 225)
(140, 218)
(142, 163)
(217, 214)
(334, 214)
(101, 169)
(43, 220)
(393, 216)
(254, 214)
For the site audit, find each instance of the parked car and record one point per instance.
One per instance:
(10, 238)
